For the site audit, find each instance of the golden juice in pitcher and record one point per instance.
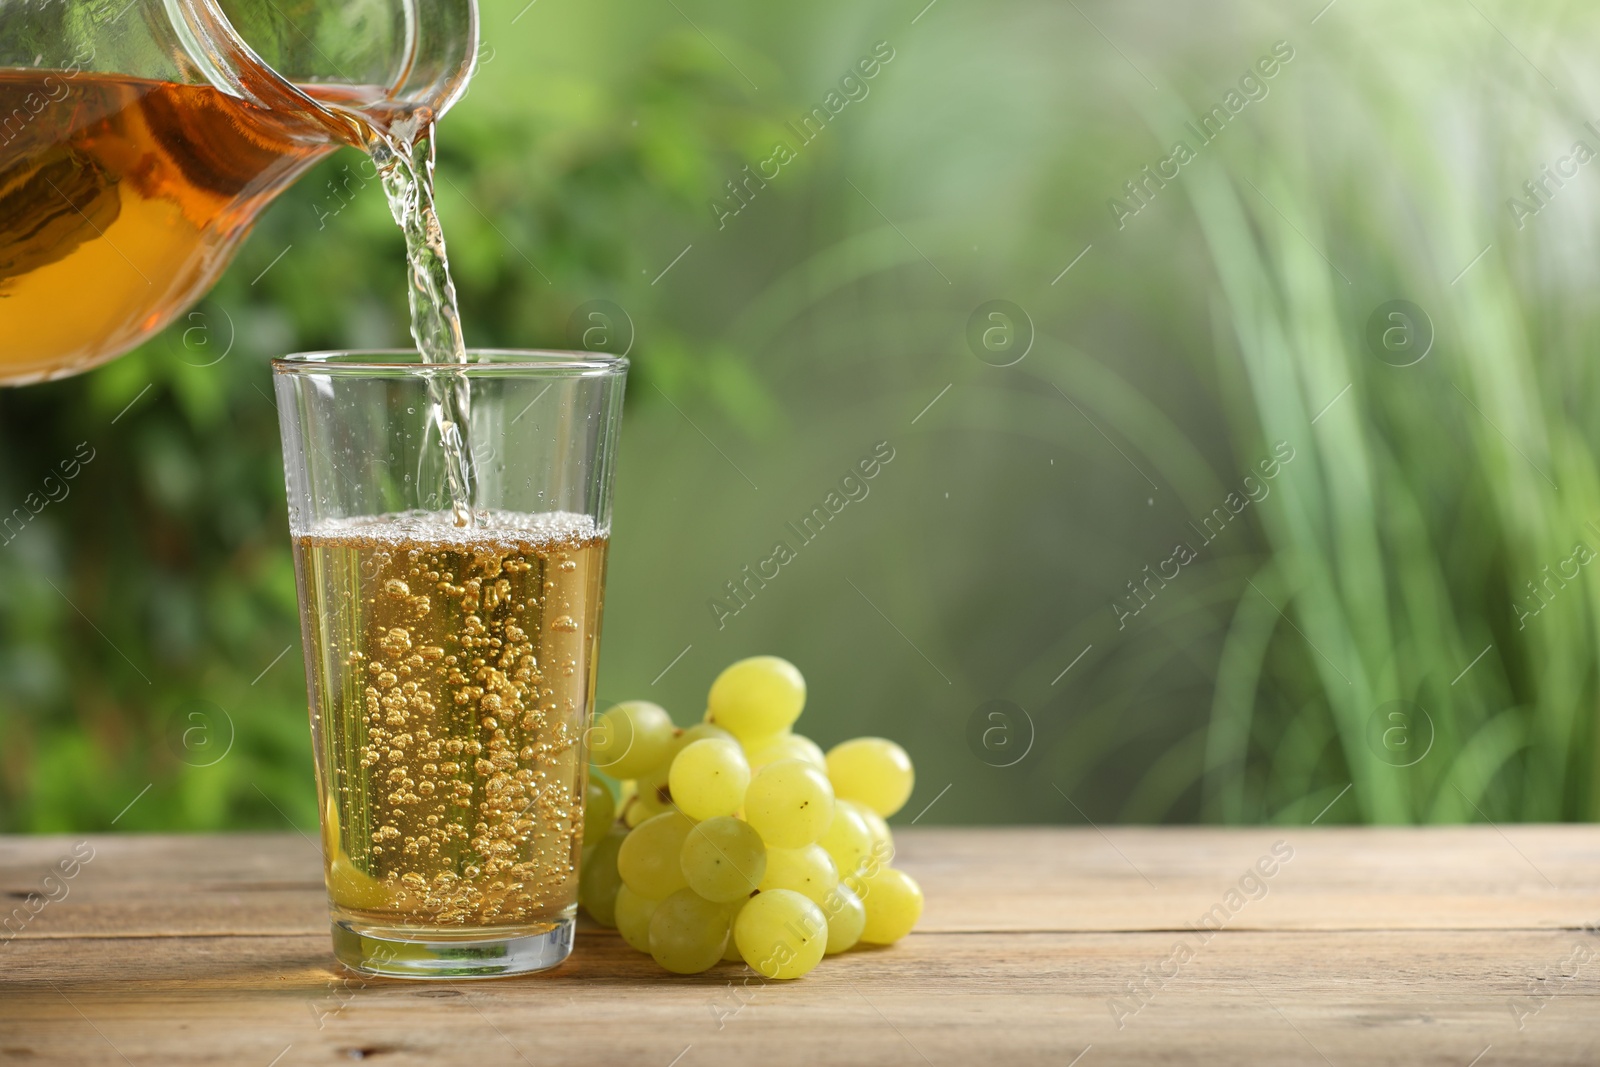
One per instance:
(121, 200)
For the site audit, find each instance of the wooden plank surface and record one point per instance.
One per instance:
(1400, 946)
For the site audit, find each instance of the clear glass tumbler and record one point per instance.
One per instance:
(450, 667)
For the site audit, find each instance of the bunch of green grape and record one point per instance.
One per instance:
(737, 838)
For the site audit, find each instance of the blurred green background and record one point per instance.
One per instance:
(1398, 625)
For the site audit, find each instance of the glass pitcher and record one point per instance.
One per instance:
(140, 138)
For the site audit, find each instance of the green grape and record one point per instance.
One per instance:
(688, 932)
(757, 697)
(700, 731)
(723, 859)
(844, 910)
(894, 904)
(881, 851)
(784, 746)
(656, 777)
(875, 772)
(708, 778)
(629, 739)
(642, 806)
(731, 953)
(598, 879)
(659, 777)
(781, 933)
(599, 809)
(790, 803)
(648, 858)
(807, 870)
(848, 839)
(633, 914)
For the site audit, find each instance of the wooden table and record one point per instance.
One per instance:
(1454, 946)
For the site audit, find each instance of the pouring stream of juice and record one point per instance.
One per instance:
(400, 141)
(404, 154)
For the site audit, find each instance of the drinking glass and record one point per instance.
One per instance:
(450, 667)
